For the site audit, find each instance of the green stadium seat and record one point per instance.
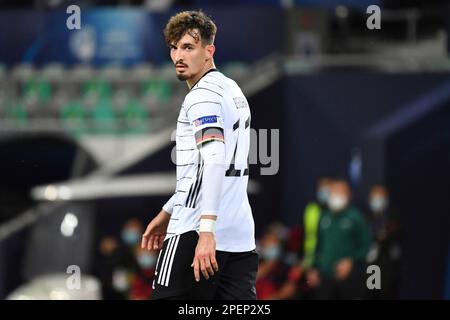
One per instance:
(135, 118)
(73, 118)
(103, 118)
(158, 88)
(17, 112)
(99, 89)
(36, 91)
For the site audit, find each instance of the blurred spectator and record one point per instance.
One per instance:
(385, 250)
(271, 270)
(342, 244)
(311, 219)
(292, 267)
(106, 267)
(289, 242)
(119, 263)
(306, 240)
(293, 285)
(128, 264)
(279, 230)
(131, 233)
(141, 283)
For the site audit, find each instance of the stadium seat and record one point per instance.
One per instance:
(39, 90)
(135, 118)
(73, 117)
(102, 118)
(160, 89)
(18, 114)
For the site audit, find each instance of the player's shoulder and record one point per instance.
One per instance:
(212, 83)
(213, 79)
(218, 80)
(213, 86)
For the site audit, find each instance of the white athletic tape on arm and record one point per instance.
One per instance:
(207, 225)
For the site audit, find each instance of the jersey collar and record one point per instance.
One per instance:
(210, 70)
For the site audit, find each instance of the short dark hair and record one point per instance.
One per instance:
(186, 21)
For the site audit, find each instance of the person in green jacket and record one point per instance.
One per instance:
(311, 219)
(343, 241)
(293, 286)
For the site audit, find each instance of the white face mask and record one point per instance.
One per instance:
(323, 194)
(146, 260)
(337, 202)
(378, 203)
(271, 252)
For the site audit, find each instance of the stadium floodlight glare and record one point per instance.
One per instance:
(68, 225)
(51, 193)
(64, 193)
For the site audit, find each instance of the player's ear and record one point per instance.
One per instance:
(210, 49)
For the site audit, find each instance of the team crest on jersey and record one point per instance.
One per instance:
(205, 120)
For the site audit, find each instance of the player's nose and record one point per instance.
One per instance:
(178, 56)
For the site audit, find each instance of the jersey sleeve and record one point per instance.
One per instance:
(213, 155)
(168, 206)
(204, 110)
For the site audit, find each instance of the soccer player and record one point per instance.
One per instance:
(206, 229)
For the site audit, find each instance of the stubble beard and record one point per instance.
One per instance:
(182, 77)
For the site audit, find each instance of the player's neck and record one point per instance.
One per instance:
(191, 82)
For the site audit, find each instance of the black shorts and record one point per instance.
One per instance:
(174, 276)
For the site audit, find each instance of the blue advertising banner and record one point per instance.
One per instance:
(130, 36)
(106, 36)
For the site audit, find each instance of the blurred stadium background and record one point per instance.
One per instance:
(86, 118)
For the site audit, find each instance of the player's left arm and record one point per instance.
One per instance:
(209, 137)
(213, 154)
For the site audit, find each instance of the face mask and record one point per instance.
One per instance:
(271, 253)
(337, 202)
(378, 203)
(146, 260)
(323, 195)
(130, 237)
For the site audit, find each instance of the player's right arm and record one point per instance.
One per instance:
(154, 235)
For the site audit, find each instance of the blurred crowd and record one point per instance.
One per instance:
(125, 270)
(327, 254)
(324, 256)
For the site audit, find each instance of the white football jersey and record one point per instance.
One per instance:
(214, 109)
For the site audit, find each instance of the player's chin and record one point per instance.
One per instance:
(182, 76)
